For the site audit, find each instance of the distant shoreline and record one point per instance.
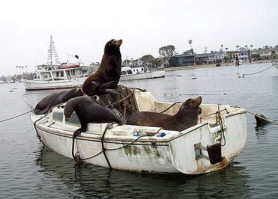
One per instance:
(212, 65)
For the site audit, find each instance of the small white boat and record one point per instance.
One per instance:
(143, 72)
(211, 145)
(57, 76)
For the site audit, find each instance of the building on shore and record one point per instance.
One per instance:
(185, 59)
(268, 53)
(190, 59)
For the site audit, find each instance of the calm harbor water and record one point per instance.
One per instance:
(29, 170)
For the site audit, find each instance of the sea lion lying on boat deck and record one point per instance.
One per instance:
(88, 111)
(186, 117)
(56, 98)
(106, 78)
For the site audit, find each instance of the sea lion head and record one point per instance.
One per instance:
(68, 113)
(112, 47)
(193, 104)
(69, 108)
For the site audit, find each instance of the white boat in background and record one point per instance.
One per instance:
(57, 76)
(211, 145)
(142, 72)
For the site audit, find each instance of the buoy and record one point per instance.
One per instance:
(261, 120)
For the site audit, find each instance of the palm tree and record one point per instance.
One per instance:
(226, 49)
(237, 47)
(221, 47)
(251, 46)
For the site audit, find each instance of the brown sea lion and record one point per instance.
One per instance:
(56, 98)
(186, 117)
(106, 78)
(88, 111)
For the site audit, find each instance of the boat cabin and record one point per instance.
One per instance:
(53, 73)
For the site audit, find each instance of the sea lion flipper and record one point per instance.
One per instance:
(109, 87)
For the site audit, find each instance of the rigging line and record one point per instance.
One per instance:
(15, 116)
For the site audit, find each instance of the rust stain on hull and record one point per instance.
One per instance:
(221, 165)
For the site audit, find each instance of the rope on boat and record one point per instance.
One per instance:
(219, 111)
(35, 123)
(170, 107)
(102, 145)
(118, 102)
(112, 149)
(219, 120)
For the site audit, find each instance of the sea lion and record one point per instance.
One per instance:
(56, 98)
(88, 111)
(186, 117)
(106, 78)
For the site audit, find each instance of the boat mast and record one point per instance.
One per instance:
(52, 54)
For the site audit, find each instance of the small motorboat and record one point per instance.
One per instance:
(211, 145)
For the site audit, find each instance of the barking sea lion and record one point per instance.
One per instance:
(106, 78)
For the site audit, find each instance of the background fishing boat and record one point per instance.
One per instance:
(56, 75)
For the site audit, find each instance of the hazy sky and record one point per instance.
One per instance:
(83, 27)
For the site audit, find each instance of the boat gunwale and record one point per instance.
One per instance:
(59, 132)
(84, 135)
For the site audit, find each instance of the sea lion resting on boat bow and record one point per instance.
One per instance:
(186, 117)
(88, 111)
(56, 98)
(106, 78)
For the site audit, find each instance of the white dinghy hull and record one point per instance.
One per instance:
(151, 149)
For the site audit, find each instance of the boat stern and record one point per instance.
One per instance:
(202, 148)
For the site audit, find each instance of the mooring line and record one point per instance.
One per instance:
(15, 116)
(244, 74)
(270, 121)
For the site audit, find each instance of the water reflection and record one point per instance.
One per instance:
(93, 181)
